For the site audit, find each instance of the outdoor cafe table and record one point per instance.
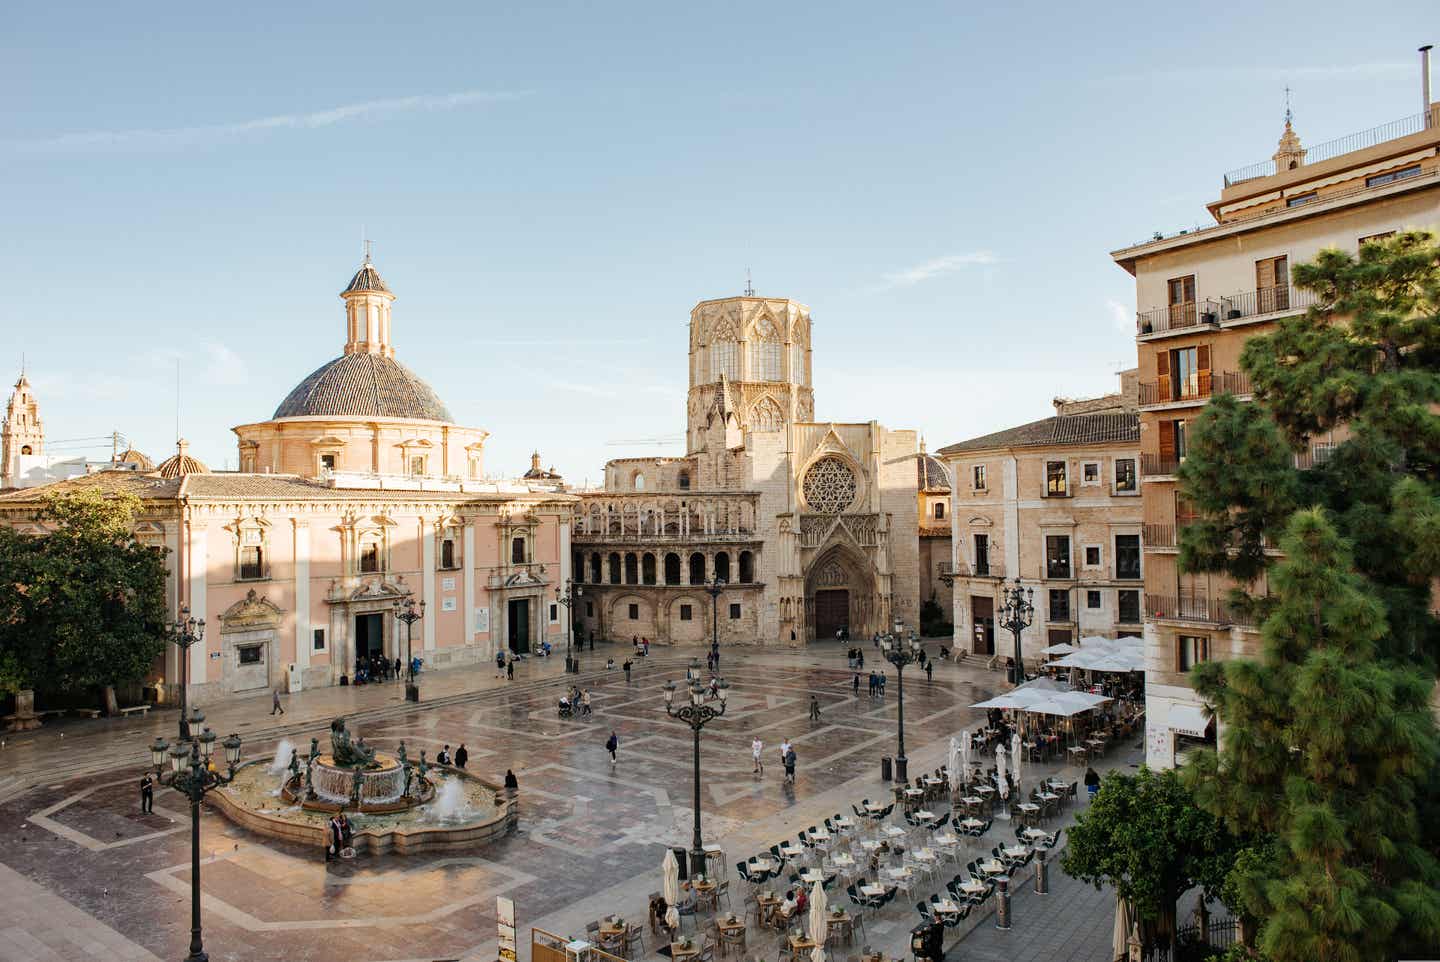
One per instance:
(1078, 751)
(932, 780)
(894, 831)
(679, 950)
(985, 790)
(767, 902)
(945, 907)
(973, 800)
(1057, 784)
(970, 885)
(872, 890)
(914, 793)
(792, 851)
(820, 836)
(1016, 851)
(578, 949)
(923, 855)
(869, 844)
(610, 930)
(761, 865)
(844, 821)
(874, 806)
(971, 823)
(1048, 796)
(923, 814)
(810, 876)
(992, 867)
(843, 860)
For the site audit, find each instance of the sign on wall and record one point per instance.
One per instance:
(505, 919)
(447, 603)
(482, 620)
(447, 584)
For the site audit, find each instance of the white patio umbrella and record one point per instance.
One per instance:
(1015, 755)
(819, 920)
(1120, 938)
(965, 755)
(1001, 782)
(953, 760)
(670, 886)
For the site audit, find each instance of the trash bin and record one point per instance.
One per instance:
(886, 767)
(683, 858)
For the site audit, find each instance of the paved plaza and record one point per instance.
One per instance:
(84, 875)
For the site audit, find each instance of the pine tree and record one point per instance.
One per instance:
(1328, 749)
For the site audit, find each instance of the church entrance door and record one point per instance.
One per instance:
(519, 621)
(832, 612)
(369, 636)
(982, 611)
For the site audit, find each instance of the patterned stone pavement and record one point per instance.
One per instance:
(590, 841)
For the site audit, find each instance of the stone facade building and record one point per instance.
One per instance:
(1057, 504)
(1201, 295)
(358, 492)
(932, 492)
(810, 525)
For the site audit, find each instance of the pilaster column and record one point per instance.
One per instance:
(467, 554)
(427, 583)
(302, 592)
(199, 569)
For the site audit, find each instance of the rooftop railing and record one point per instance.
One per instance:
(1395, 129)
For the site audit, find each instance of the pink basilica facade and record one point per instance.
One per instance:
(359, 491)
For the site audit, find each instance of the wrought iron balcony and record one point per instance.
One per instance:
(1317, 454)
(1215, 311)
(1155, 466)
(1188, 606)
(1158, 535)
(1200, 388)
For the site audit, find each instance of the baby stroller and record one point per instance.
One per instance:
(566, 709)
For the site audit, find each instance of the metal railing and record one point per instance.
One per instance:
(1394, 130)
(1155, 466)
(990, 569)
(1317, 454)
(1201, 388)
(1178, 317)
(1158, 535)
(1188, 607)
(1214, 311)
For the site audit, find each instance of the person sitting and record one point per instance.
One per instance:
(800, 901)
(609, 664)
(686, 905)
(788, 906)
(658, 908)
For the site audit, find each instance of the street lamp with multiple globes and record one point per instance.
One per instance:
(191, 775)
(715, 589)
(696, 713)
(184, 633)
(900, 652)
(566, 597)
(1016, 614)
(406, 611)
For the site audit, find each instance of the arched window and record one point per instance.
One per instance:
(517, 550)
(632, 569)
(747, 568)
(370, 558)
(766, 415)
(595, 568)
(447, 553)
(725, 359)
(684, 480)
(722, 566)
(672, 569)
(697, 569)
(647, 569)
(639, 481)
(614, 568)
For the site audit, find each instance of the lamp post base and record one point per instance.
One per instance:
(902, 773)
(412, 691)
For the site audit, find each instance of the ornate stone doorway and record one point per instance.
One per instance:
(832, 611)
(519, 625)
(369, 636)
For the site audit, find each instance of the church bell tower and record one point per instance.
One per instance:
(22, 433)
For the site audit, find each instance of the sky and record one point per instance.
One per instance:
(550, 188)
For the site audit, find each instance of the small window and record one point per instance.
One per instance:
(1057, 556)
(589, 609)
(1381, 179)
(1092, 556)
(1055, 481)
(447, 553)
(639, 481)
(1300, 199)
(979, 472)
(634, 612)
(1129, 613)
(554, 614)
(318, 644)
(687, 612)
(1090, 472)
(939, 510)
(252, 563)
(1059, 605)
(1192, 650)
(1127, 556)
(684, 480)
(327, 461)
(1125, 474)
(734, 612)
(517, 551)
(250, 654)
(417, 465)
(370, 558)
(1092, 600)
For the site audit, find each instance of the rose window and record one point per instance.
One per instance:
(829, 486)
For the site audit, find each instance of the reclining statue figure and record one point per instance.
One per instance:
(346, 754)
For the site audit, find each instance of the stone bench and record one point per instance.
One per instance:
(87, 712)
(49, 712)
(142, 709)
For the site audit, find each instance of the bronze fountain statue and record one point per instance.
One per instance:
(346, 754)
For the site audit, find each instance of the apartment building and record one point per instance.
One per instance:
(1200, 295)
(1055, 502)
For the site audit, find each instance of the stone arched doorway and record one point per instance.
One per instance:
(839, 593)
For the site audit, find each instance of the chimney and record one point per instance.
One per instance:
(1425, 84)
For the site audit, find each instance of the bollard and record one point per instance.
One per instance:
(1042, 874)
(1002, 904)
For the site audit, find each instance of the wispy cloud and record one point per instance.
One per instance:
(173, 137)
(1121, 316)
(937, 267)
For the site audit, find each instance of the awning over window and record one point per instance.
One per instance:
(1189, 720)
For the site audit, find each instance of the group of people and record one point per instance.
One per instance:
(855, 657)
(575, 701)
(375, 668)
(462, 755)
(341, 836)
(877, 683)
(505, 664)
(641, 645)
(787, 757)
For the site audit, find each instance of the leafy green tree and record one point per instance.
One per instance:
(1328, 749)
(82, 606)
(1144, 835)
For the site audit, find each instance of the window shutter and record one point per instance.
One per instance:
(1265, 274)
(1202, 365)
(1162, 372)
(1167, 441)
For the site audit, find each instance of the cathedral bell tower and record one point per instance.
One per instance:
(22, 433)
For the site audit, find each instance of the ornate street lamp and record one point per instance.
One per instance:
(191, 775)
(714, 590)
(184, 633)
(1016, 614)
(695, 713)
(567, 598)
(900, 653)
(406, 611)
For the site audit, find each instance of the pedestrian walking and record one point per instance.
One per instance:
(592, 641)
(814, 708)
(499, 663)
(626, 666)
(397, 669)
(756, 748)
(790, 766)
(929, 671)
(509, 669)
(855, 684)
(612, 744)
(275, 706)
(147, 794)
(461, 756)
(585, 702)
(784, 748)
